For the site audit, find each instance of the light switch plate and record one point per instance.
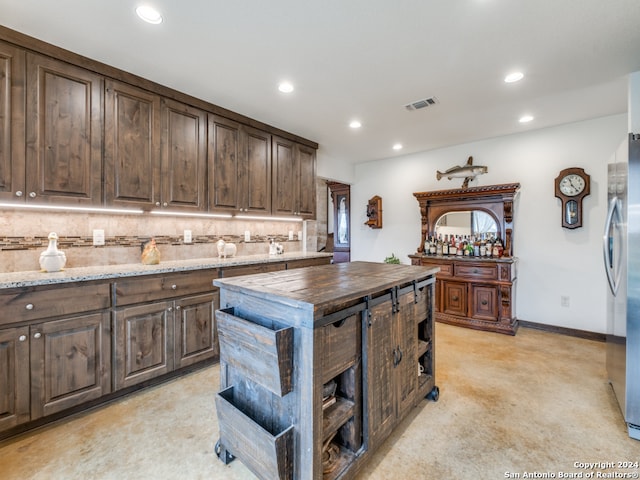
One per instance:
(98, 237)
(247, 236)
(290, 234)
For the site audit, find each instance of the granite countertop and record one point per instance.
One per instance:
(36, 277)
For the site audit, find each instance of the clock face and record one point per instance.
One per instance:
(572, 185)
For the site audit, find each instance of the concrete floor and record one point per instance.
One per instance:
(534, 403)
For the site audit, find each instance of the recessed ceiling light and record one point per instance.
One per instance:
(397, 146)
(514, 77)
(525, 119)
(285, 87)
(149, 14)
(355, 124)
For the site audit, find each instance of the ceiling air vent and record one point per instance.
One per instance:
(417, 105)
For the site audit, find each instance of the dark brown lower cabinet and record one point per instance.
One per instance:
(52, 366)
(359, 358)
(157, 338)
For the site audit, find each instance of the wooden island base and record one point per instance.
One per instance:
(318, 365)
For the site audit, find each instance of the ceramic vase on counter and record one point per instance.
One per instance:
(52, 259)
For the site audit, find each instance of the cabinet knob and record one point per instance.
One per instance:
(170, 309)
(22, 338)
(32, 194)
(484, 302)
(37, 335)
(475, 270)
(174, 287)
(157, 204)
(178, 307)
(165, 204)
(29, 306)
(454, 298)
(19, 193)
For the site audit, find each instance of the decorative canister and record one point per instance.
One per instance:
(230, 249)
(52, 259)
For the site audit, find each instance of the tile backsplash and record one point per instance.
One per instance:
(23, 236)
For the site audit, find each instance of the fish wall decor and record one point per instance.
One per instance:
(468, 172)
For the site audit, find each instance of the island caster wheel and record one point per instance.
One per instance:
(434, 394)
(228, 458)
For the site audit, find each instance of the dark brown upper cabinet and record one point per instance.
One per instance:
(239, 167)
(183, 157)
(12, 101)
(132, 146)
(63, 133)
(294, 167)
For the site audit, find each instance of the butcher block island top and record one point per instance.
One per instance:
(318, 365)
(326, 288)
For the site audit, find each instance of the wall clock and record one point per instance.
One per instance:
(572, 185)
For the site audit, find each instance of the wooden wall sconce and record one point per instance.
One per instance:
(374, 212)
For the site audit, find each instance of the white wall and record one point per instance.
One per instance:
(553, 261)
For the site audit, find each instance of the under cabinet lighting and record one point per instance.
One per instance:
(32, 206)
(189, 214)
(397, 146)
(355, 124)
(525, 119)
(276, 219)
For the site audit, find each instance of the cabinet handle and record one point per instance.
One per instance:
(170, 309)
(22, 338)
(178, 307)
(484, 302)
(32, 194)
(454, 298)
(400, 354)
(19, 193)
(174, 287)
(29, 306)
(475, 270)
(37, 335)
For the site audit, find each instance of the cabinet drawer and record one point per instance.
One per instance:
(484, 272)
(260, 350)
(159, 287)
(251, 269)
(28, 305)
(446, 268)
(340, 345)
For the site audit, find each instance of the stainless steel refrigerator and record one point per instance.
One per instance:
(621, 245)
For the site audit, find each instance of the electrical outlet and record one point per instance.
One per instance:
(300, 235)
(290, 234)
(564, 301)
(187, 236)
(247, 236)
(98, 237)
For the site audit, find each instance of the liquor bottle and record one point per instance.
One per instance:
(453, 249)
(439, 246)
(432, 246)
(445, 246)
(476, 246)
(459, 246)
(498, 250)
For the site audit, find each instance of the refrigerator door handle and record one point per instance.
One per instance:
(613, 219)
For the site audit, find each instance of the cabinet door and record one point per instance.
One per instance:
(285, 177)
(381, 372)
(14, 377)
(132, 146)
(143, 343)
(70, 362)
(184, 157)
(195, 334)
(225, 164)
(257, 171)
(306, 181)
(64, 132)
(454, 298)
(12, 121)
(484, 302)
(406, 341)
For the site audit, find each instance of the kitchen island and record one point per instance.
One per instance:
(318, 365)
